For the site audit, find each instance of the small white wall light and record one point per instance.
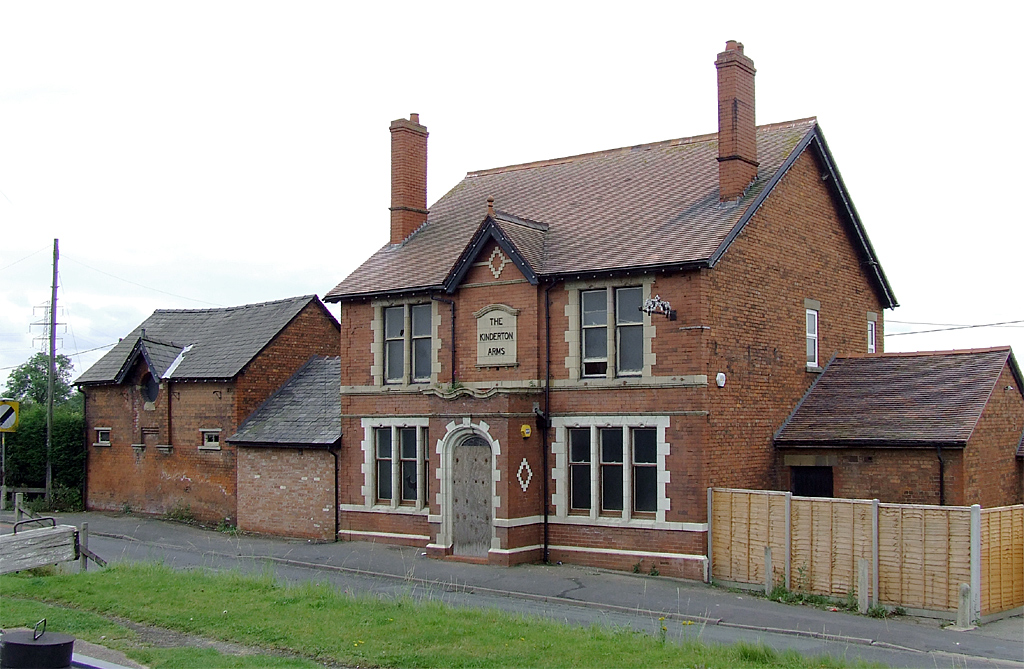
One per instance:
(720, 379)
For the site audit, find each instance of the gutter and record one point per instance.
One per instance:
(544, 419)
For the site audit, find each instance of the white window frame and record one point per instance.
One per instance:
(628, 424)
(408, 346)
(871, 336)
(812, 337)
(100, 441)
(204, 442)
(371, 426)
(613, 326)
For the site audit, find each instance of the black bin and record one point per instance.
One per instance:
(27, 649)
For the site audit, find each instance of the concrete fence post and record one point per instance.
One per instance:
(710, 537)
(874, 552)
(789, 535)
(862, 585)
(963, 611)
(767, 570)
(19, 501)
(975, 562)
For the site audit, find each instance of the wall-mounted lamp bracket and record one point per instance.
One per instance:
(656, 305)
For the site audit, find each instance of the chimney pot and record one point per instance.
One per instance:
(415, 118)
(490, 206)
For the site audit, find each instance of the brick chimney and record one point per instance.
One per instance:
(737, 144)
(408, 177)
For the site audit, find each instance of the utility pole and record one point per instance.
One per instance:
(51, 375)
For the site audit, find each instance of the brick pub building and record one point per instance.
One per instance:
(557, 359)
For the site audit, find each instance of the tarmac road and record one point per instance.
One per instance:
(576, 595)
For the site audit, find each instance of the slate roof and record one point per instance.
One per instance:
(648, 206)
(198, 343)
(304, 412)
(897, 399)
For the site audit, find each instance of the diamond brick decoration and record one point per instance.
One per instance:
(524, 483)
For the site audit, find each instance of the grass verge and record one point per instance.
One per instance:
(319, 622)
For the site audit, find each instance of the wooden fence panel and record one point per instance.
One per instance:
(1002, 559)
(924, 552)
(743, 523)
(829, 536)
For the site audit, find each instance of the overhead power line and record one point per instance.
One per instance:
(955, 327)
(135, 283)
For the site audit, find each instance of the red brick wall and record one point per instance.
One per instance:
(152, 480)
(312, 332)
(993, 473)
(890, 475)
(156, 481)
(286, 491)
(795, 247)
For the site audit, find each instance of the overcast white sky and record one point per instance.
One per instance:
(199, 154)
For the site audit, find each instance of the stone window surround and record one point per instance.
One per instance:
(574, 335)
(560, 471)
(99, 436)
(369, 466)
(204, 445)
(377, 344)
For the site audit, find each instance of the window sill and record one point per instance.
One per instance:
(815, 370)
(209, 448)
(165, 448)
(102, 444)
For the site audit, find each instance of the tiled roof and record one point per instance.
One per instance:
(643, 206)
(897, 399)
(305, 411)
(211, 343)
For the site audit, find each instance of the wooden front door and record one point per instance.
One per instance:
(471, 498)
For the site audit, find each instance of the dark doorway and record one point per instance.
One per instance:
(811, 481)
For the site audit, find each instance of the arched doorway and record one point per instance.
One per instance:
(471, 497)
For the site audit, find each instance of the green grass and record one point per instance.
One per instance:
(318, 622)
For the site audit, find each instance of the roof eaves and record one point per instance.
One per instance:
(488, 230)
(870, 443)
(841, 191)
(814, 138)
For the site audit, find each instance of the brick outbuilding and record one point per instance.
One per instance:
(556, 359)
(160, 404)
(939, 427)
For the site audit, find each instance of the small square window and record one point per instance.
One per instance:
(210, 441)
(102, 436)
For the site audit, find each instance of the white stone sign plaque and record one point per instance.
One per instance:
(496, 336)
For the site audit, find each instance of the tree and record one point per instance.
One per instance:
(28, 382)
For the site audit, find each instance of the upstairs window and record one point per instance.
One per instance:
(102, 436)
(408, 343)
(812, 337)
(620, 306)
(871, 336)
